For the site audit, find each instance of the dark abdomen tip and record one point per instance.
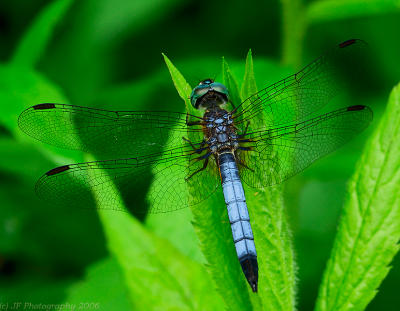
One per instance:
(250, 269)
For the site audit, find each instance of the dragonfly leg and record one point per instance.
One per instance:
(197, 150)
(246, 148)
(191, 123)
(245, 141)
(206, 157)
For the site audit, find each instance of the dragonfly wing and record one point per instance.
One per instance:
(91, 184)
(299, 95)
(282, 152)
(111, 134)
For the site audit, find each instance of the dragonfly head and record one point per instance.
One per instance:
(209, 94)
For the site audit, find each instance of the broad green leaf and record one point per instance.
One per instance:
(271, 232)
(369, 230)
(326, 10)
(275, 254)
(157, 275)
(212, 227)
(94, 293)
(276, 291)
(177, 228)
(34, 42)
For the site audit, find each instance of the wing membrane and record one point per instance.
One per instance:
(299, 95)
(76, 184)
(282, 152)
(105, 133)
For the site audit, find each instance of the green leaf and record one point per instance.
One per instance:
(157, 275)
(212, 227)
(177, 228)
(275, 253)
(34, 42)
(249, 86)
(271, 231)
(93, 293)
(369, 230)
(229, 80)
(327, 10)
(183, 88)
(269, 223)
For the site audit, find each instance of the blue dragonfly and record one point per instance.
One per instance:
(262, 141)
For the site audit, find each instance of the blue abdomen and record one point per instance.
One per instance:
(239, 217)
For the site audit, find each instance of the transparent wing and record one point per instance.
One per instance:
(281, 152)
(299, 95)
(111, 134)
(76, 184)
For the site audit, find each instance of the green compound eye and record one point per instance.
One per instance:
(204, 87)
(220, 88)
(198, 92)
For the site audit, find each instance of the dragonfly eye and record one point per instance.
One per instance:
(198, 92)
(206, 82)
(220, 88)
(207, 86)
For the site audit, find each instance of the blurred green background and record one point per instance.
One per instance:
(107, 53)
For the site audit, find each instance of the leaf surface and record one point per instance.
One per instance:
(271, 232)
(212, 227)
(369, 230)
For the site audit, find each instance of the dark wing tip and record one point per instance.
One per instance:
(58, 170)
(347, 43)
(44, 106)
(350, 42)
(356, 108)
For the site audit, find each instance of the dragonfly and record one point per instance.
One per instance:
(262, 141)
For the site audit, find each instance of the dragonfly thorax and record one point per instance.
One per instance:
(209, 94)
(220, 133)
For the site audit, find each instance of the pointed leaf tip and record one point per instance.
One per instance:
(249, 86)
(229, 80)
(181, 85)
